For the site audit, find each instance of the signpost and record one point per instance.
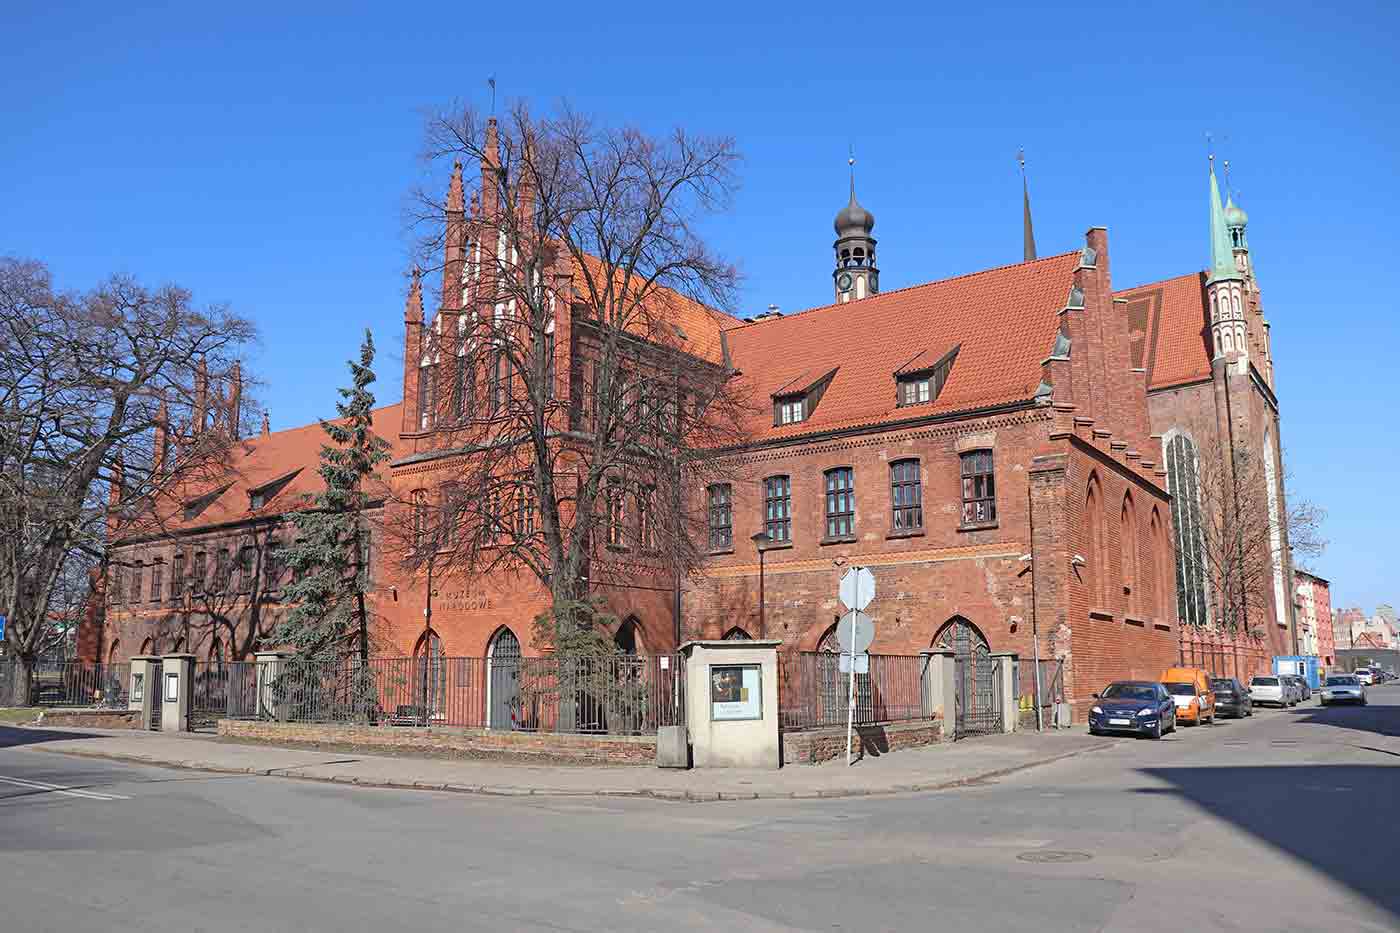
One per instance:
(855, 633)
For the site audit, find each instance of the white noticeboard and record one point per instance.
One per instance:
(736, 692)
(857, 588)
(172, 687)
(862, 663)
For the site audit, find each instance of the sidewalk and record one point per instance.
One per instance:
(921, 769)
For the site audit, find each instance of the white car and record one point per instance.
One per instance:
(1269, 689)
(1364, 675)
(1343, 688)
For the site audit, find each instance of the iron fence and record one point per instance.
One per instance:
(616, 695)
(222, 690)
(813, 692)
(69, 683)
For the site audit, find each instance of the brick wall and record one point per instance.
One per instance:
(820, 745)
(617, 749)
(92, 719)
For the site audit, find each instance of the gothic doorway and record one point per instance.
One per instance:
(503, 680)
(977, 677)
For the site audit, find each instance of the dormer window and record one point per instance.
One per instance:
(790, 409)
(920, 386)
(260, 496)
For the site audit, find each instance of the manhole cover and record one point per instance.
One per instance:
(1053, 855)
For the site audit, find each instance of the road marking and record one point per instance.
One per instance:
(59, 789)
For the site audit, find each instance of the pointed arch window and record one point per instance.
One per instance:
(1183, 482)
(1094, 571)
(425, 394)
(1128, 558)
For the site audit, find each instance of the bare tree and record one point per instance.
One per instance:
(565, 373)
(104, 406)
(1250, 532)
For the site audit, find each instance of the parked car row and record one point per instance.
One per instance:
(1183, 695)
(1370, 676)
(1280, 690)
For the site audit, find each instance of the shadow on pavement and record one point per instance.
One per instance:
(13, 737)
(1338, 819)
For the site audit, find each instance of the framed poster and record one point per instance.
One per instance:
(172, 687)
(736, 692)
(138, 686)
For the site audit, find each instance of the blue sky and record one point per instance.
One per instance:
(261, 154)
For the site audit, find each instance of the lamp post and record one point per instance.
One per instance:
(761, 541)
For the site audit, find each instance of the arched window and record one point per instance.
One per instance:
(147, 647)
(426, 382)
(1184, 485)
(1275, 529)
(1152, 594)
(1094, 569)
(737, 634)
(114, 652)
(1128, 566)
(430, 675)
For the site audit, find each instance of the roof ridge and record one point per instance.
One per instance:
(907, 288)
(283, 432)
(1170, 278)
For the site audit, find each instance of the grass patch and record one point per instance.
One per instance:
(20, 714)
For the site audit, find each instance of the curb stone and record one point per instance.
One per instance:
(668, 794)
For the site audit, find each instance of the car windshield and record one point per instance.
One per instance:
(1341, 681)
(1128, 692)
(1222, 686)
(1182, 690)
(1363, 670)
(1265, 681)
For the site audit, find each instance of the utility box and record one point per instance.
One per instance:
(1305, 666)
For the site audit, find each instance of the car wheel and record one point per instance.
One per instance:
(1093, 731)
(1156, 732)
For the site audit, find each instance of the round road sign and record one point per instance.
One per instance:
(855, 632)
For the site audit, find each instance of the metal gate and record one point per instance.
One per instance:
(504, 680)
(978, 679)
(156, 691)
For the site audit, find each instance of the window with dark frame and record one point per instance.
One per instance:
(274, 566)
(550, 363)
(525, 509)
(777, 508)
(906, 496)
(222, 571)
(198, 573)
(720, 509)
(118, 581)
(177, 578)
(646, 518)
(157, 580)
(245, 568)
(615, 519)
(979, 501)
(499, 391)
(789, 409)
(459, 387)
(425, 397)
(138, 582)
(420, 519)
(840, 503)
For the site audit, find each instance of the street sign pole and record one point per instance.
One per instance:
(851, 690)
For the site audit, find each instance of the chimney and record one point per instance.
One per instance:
(235, 401)
(267, 424)
(771, 314)
(201, 396)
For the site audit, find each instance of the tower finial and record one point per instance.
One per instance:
(491, 83)
(1027, 228)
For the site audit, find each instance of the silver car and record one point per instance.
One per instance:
(1269, 689)
(1343, 688)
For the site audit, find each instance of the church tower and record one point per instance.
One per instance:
(856, 275)
(1225, 286)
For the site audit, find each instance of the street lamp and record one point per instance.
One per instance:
(761, 541)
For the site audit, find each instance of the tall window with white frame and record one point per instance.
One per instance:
(840, 503)
(720, 510)
(979, 499)
(906, 496)
(777, 508)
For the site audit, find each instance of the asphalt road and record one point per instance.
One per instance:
(1283, 822)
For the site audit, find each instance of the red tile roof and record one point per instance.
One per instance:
(1002, 320)
(255, 463)
(1171, 333)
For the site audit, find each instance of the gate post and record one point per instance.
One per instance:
(176, 691)
(1007, 662)
(940, 689)
(732, 703)
(270, 664)
(142, 694)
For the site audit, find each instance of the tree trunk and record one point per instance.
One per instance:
(22, 686)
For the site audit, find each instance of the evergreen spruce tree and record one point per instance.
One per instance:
(328, 617)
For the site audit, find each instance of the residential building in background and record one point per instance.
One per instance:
(1314, 613)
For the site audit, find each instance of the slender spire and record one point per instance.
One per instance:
(1222, 258)
(454, 249)
(413, 308)
(1027, 230)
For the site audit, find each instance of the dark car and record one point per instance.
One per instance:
(1142, 707)
(1231, 697)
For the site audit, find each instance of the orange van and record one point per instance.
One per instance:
(1191, 692)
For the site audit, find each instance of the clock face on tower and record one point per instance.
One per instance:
(843, 281)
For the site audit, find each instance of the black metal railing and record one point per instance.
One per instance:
(813, 692)
(70, 683)
(625, 694)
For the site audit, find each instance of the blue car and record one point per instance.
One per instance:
(1142, 707)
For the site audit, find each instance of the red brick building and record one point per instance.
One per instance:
(1313, 609)
(997, 447)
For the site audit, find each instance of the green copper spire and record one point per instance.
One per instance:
(1222, 259)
